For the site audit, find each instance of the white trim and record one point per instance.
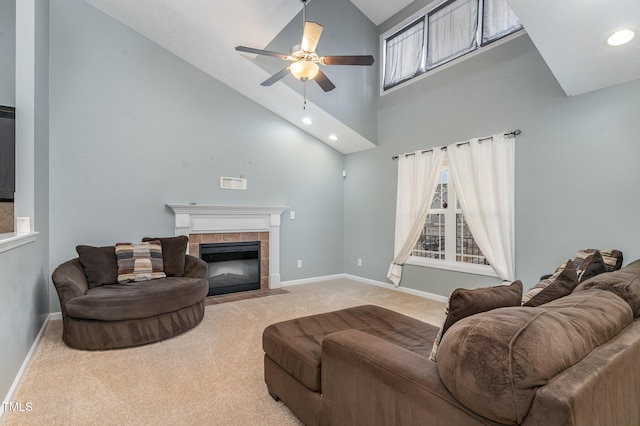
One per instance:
(25, 364)
(401, 289)
(212, 219)
(388, 286)
(55, 316)
(25, 103)
(11, 241)
(312, 280)
(467, 268)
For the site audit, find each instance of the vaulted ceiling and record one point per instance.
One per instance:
(570, 35)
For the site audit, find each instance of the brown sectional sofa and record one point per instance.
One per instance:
(98, 315)
(572, 361)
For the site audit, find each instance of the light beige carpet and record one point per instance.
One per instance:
(211, 375)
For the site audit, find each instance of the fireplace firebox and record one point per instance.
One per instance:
(233, 266)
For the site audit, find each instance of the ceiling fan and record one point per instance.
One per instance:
(304, 58)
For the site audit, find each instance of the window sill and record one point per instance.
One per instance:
(11, 241)
(467, 268)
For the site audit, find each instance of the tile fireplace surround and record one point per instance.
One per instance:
(214, 223)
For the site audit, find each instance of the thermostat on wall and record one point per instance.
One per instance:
(233, 183)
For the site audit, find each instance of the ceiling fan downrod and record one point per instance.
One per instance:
(304, 12)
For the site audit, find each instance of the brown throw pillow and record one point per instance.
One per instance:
(99, 264)
(558, 285)
(173, 251)
(139, 261)
(464, 303)
(590, 266)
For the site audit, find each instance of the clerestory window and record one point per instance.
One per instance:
(443, 33)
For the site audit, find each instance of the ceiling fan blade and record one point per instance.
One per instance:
(311, 36)
(276, 77)
(261, 52)
(348, 60)
(324, 82)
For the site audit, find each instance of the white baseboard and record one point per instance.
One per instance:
(55, 316)
(412, 291)
(25, 363)
(312, 280)
(401, 289)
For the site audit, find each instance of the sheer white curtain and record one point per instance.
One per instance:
(404, 56)
(452, 31)
(418, 176)
(498, 20)
(483, 173)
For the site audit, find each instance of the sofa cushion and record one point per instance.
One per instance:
(139, 261)
(173, 252)
(495, 362)
(138, 300)
(625, 283)
(296, 345)
(99, 263)
(464, 303)
(558, 285)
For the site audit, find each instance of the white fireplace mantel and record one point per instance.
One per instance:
(203, 219)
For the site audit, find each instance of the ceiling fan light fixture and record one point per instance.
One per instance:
(304, 70)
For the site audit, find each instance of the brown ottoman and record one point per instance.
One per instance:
(293, 350)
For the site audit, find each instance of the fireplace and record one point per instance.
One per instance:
(205, 224)
(233, 266)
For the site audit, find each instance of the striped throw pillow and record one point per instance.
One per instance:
(139, 261)
(612, 258)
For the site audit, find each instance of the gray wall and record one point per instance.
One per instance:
(576, 172)
(8, 52)
(24, 270)
(346, 31)
(133, 128)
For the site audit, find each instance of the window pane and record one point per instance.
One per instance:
(404, 54)
(452, 31)
(467, 250)
(441, 197)
(498, 20)
(431, 241)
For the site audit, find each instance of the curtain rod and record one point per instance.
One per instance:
(444, 148)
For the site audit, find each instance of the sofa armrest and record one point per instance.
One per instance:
(602, 389)
(194, 267)
(368, 380)
(70, 281)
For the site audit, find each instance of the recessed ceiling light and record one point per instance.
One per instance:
(333, 137)
(307, 120)
(620, 37)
